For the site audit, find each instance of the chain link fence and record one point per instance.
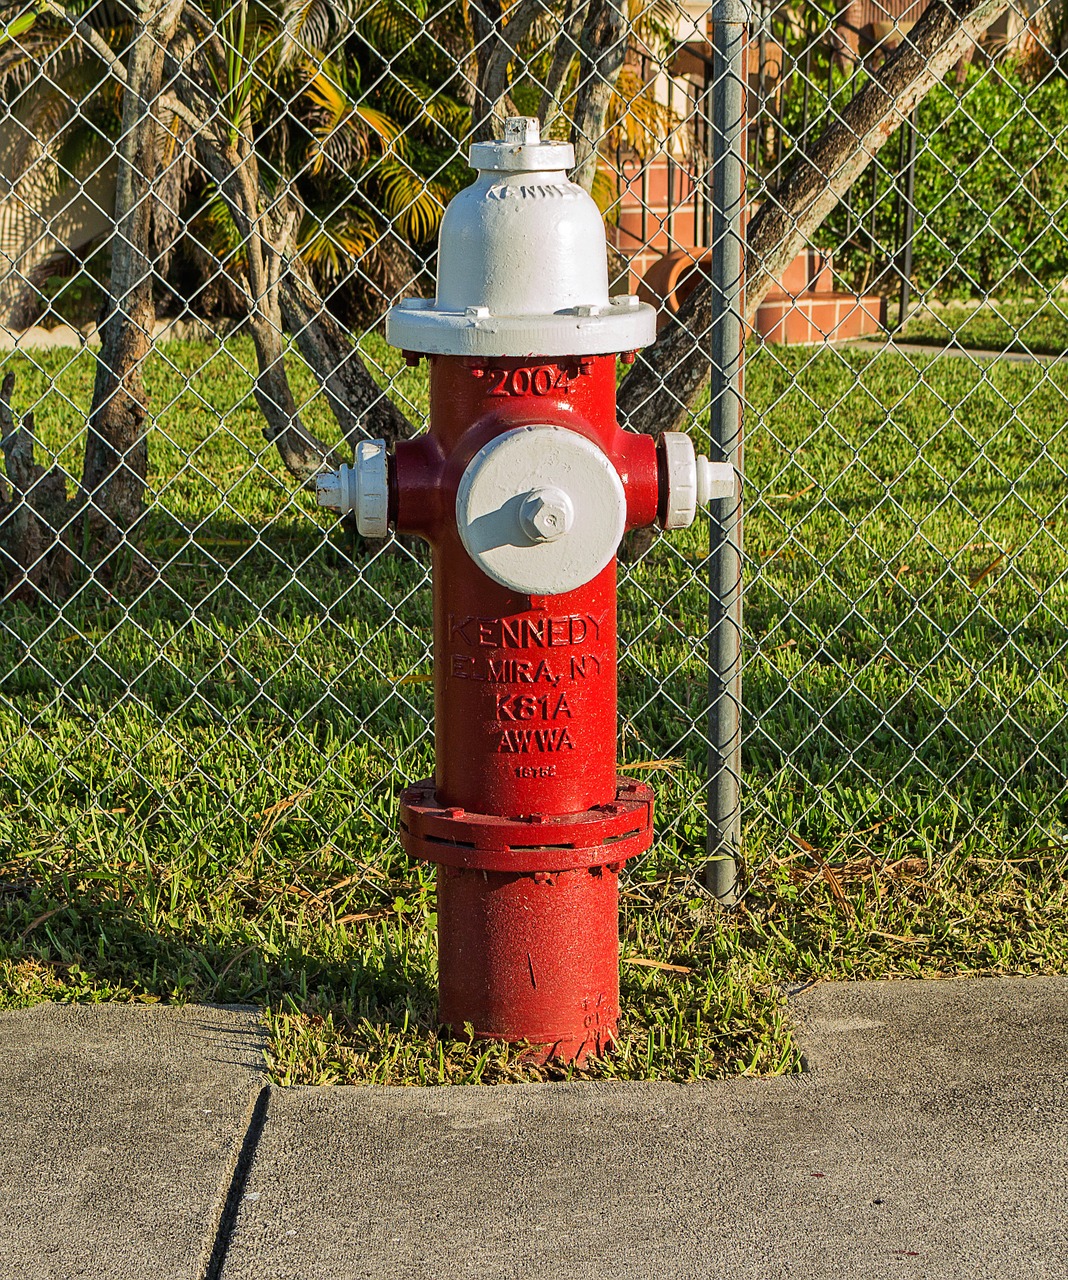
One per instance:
(205, 214)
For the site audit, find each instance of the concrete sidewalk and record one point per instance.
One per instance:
(120, 1128)
(928, 1139)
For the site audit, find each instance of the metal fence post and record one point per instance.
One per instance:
(729, 35)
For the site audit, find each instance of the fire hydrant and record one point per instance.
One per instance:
(524, 485)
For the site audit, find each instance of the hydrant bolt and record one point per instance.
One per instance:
(546, 514)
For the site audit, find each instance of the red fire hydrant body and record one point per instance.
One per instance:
(523, 485)
(525, 817)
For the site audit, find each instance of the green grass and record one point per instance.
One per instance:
(199, 772)
(1008, 325)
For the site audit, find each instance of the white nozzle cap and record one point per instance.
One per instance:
(362, 488)
(692, 481)
(541, 510)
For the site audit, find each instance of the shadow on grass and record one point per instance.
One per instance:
(98, 950)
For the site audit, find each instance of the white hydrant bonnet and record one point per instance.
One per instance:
(522, 264)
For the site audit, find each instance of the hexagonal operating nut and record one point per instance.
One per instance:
(714, 480)
(546, 514)
(524, 129)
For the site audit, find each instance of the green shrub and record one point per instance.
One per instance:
(991, 193)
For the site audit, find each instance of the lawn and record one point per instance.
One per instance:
(1022, 325)
(199, 771)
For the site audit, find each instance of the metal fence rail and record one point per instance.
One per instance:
(206, 212)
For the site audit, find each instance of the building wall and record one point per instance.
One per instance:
(43, 213)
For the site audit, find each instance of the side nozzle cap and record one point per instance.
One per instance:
(691, 481)
(362, 489)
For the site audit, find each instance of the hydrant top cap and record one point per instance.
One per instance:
(522, 264)
(521, 149)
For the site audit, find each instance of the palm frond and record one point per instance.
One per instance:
(331, 242)
(636, 120)
(41, 126)
(343, 129)
(213, 227)
(312, 27)
(414, 99)
(387, 27)
(412, 203)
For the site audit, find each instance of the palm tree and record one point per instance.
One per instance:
(344, 103)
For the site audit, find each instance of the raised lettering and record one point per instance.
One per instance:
(458, 627)
(525, 631)
(523, 741)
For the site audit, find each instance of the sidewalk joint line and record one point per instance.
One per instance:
(238, 1182)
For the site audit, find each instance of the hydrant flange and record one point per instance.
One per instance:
(604, 835)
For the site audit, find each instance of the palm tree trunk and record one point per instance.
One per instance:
(362, 409)
(603, 46)
(116, 450)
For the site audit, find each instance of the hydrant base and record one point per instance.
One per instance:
(531, 958)
(528, 917)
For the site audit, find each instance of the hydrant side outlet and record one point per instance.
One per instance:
(523, 485)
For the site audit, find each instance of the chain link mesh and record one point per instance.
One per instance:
(236, 194)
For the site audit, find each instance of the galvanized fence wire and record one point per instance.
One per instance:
(230, 198)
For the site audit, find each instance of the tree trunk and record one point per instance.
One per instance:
(497, 42)
(34, 513)
(267, 223)
(670, 376)
(116, 449)
(603, 45)
(303, 453)
(362, 409)
(567, 46)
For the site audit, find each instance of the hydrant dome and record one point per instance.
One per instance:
(522, 244)
(522, 264)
